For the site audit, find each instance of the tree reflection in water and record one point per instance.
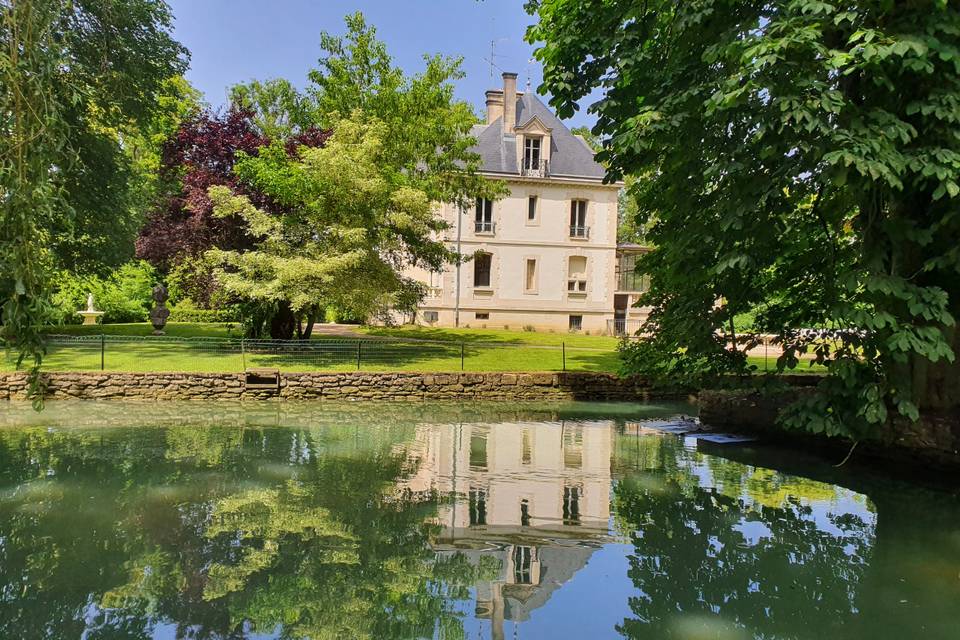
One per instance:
(443, 522)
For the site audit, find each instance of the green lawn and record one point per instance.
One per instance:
(382, 349)
(407, 349)
(577, 340)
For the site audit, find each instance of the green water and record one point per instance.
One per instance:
(489, 521)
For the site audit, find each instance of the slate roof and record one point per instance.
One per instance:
(569, 155)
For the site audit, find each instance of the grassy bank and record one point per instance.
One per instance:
(132, 347)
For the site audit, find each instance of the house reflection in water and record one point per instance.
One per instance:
(533, 496)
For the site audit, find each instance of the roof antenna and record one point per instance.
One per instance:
(529, 62)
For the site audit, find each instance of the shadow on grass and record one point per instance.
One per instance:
(444, 335)
(222, 356)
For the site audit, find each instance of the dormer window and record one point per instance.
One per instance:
(531, 154)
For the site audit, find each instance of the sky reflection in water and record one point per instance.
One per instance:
(485, 521)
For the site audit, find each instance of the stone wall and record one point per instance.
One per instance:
(336, 386)
(933, 441)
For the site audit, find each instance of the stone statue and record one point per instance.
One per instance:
(160, 313)
(90, 302)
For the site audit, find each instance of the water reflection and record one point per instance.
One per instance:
(377, 521)
(518, 495)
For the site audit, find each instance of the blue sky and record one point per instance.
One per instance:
(236, 40)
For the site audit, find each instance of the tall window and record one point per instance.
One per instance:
(523, 559)
(483, 216)
(531, 153)
(530, 280)
(478, 452)
(578, 219)
(577, 274)
(524, 513)
(477, 506)
(481, 269)
(627, 277)
(532, 208)
(571, 505)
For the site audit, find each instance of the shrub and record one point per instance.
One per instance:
(185, 311)
(124, 296)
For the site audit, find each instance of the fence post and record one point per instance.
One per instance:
(461, 356)
(103, 348)
(563, 347)
(243, 353)
(358, 355)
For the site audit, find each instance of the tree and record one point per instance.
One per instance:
(343, 229)
(427, 130)
(74, 77)
(201, 154)
(349, 221)
(800, 157)
(280, 111)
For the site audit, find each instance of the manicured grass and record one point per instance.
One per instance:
(494, 335)
(400, 349)
(383, 349)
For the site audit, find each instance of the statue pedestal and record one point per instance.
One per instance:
(90, 317)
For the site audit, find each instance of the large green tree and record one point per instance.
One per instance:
(801, 158)
(76, 78)
(352, 216)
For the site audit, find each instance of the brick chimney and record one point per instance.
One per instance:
(509, 102)
(494, 105)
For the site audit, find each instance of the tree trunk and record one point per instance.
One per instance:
(283, 323)
(308, 328)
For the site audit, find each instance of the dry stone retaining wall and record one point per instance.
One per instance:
(339, 386)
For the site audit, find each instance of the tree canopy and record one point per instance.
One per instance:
(317, 227)
(801, 160)
(76, 79)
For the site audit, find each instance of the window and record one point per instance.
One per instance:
(481, 269)
(481, 316)
(434, 284)
(577, 274)
(524, 513)
(572, 448)
(477, 500)
(483, 216)
(478, 452)
(576, 323)
(571, 505)
(531, 153)
(431, 316)
(531, 208)
(578, 219)
(627, 277)
(530, 280)
(523, 561)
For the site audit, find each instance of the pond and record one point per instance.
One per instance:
(178, 520)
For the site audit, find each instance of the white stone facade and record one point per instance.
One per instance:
(550, 245)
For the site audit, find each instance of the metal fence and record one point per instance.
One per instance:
(164, 353)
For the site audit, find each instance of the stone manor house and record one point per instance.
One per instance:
(545, 256)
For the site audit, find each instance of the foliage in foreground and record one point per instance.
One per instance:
(68, 187)
(802, 158)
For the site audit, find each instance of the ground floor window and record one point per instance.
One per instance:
(481, 316)
(576, 323)
(431, 316)
(481, 269)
